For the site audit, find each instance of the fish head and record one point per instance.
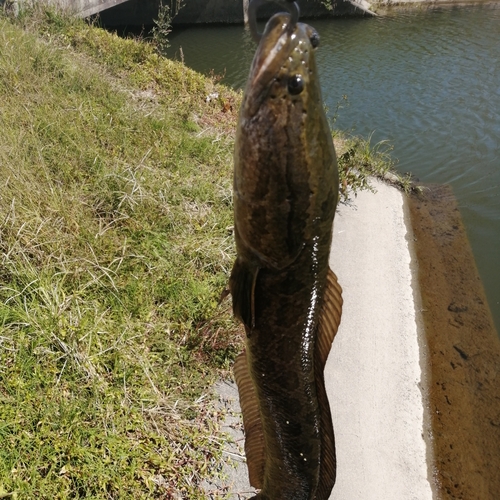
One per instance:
(283, 66)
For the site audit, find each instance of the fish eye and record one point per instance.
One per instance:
(295, 85)
(314, 39)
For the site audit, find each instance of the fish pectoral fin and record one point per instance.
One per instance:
(254, 434)
(328, 324)
(242, 286)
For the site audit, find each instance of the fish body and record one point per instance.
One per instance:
(285, 195)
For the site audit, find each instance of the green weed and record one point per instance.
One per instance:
(359, 161)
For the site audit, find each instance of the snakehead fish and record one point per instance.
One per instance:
(285, 195)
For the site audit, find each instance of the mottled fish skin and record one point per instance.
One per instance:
(285, 195)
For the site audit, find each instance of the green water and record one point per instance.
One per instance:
(426, 79)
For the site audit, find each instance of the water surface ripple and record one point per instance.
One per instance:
(426, 79)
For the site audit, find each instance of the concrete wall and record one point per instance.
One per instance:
(137, 13)
(85, 8)
(142, 12)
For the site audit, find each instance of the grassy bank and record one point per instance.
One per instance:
(115, 209)
(115, 246)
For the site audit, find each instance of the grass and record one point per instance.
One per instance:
(115, 246)
(115, 204)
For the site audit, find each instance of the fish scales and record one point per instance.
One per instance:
(285, 195)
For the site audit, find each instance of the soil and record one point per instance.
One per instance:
(463, 353)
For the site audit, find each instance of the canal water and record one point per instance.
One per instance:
(426, 79)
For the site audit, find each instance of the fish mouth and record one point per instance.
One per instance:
(290, 5)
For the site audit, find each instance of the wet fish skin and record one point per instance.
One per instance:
(285, 195)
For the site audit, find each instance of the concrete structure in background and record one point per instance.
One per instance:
(85, 8)
(137, 13)
(82, 8)
(142, 12)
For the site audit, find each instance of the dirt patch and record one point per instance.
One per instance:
(463, 352)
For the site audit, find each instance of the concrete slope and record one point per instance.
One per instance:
(373, 374)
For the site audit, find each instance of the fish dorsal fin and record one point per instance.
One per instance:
(242, 286)
(328, 324)
(254, 435)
